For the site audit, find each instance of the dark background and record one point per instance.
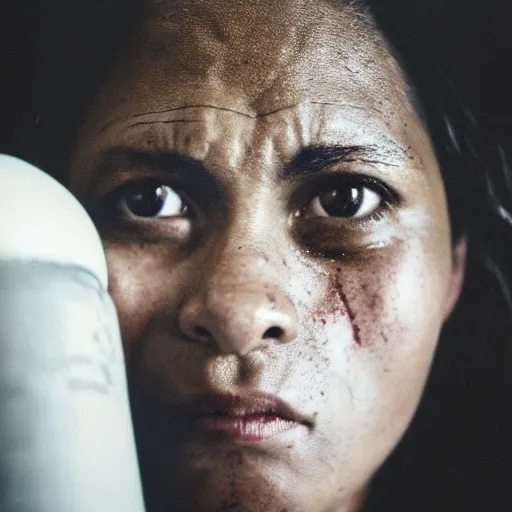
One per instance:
(471, 39)
(457, 455)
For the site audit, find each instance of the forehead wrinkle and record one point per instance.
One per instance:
(298, 132)
(249, 115)
(169, 121)
(307, 42)
(306, 127)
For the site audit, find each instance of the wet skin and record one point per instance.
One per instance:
(252, 275)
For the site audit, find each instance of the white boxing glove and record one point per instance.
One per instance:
(66, 436)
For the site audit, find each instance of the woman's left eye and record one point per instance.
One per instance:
(351, 201)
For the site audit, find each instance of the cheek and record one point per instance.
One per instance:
(392, 299)
(137, 289)
(147, 284)
(373, 328)
(379, 321)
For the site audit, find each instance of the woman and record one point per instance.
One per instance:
(286, 234)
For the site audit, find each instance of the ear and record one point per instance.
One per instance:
(459, 253)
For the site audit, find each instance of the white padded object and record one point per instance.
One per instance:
(41, 220)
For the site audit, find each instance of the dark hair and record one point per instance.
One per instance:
(454, 454)
(75, 43)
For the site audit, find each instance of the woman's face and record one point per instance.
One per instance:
(279, 251)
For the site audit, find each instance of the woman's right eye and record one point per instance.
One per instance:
(150, 200)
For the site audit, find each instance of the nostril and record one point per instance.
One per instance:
(201, 332)
(273, 332)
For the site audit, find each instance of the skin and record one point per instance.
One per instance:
(358, 303)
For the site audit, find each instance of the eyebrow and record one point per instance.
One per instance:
(315, 159)
(153, 158)
(309, 160)
(190, 171)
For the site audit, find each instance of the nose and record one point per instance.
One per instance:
(238, 317)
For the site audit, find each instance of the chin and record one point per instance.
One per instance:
(234, 481)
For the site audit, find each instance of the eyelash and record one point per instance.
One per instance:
(107, 211)
(389, 197)
(112, 199)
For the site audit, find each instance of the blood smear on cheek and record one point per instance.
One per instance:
(334, 305)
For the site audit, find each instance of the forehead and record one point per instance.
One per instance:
(254, 58)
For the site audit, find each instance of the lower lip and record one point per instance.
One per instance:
(245, 429)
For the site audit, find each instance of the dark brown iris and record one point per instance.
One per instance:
(146, 200)
(342, 202)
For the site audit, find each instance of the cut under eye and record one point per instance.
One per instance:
(150, 200)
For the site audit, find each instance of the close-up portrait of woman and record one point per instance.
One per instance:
(306, 240)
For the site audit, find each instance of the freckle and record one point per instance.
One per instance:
(285, 263)
(239, 247)
(324, 321)
(373, 301)
(271, 297)
(322, 393)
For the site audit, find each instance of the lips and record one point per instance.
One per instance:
(248, 418)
